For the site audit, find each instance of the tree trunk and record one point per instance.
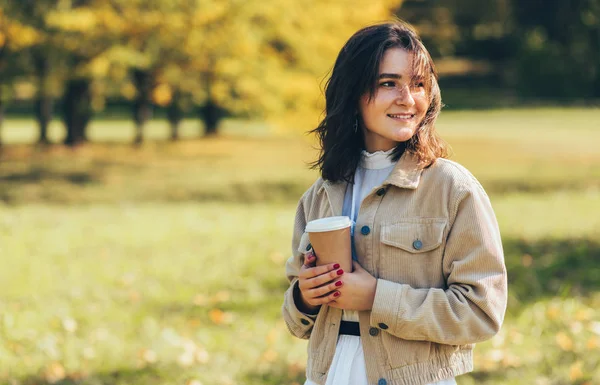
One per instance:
(175, 115)
(77, 110)
(211, 116)
(142, 106)
(43, 112)
(43, 103)
(1, 115)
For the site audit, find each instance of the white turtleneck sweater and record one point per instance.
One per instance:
(348, 366)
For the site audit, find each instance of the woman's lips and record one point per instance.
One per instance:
(401, 116)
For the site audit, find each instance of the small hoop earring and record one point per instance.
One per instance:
(356, 124)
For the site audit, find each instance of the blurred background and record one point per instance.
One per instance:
(152, 154)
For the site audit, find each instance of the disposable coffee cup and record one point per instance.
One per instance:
(330, 240)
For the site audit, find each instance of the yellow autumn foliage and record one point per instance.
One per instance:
(73, 20)
(162, 94)
(255, 58)
(17, 35)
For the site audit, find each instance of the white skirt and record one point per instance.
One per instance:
(348, 366)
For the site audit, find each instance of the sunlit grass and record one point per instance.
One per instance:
(164, 264)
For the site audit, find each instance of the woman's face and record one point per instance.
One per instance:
(398, 106)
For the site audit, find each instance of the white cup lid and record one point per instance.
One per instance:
(328, 224)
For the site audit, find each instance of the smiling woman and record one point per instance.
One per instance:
(394, 113)
(428, 278)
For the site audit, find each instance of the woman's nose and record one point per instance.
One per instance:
(404, 97)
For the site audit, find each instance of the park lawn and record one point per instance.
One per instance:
(164, 264)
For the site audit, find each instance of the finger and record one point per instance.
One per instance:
(325, 299)
(320, 280)
(323, 290)
(316, 271)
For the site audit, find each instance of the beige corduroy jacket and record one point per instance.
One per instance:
(431, 239)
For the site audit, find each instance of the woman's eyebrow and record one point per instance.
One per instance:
(390, 76)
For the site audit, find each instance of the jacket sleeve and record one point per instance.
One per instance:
(472, 307)
(298, 323)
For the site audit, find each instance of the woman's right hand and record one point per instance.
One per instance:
(318, 284)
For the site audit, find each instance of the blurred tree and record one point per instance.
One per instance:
(175, 114)
(542, 49)
(40, 58)
(559, 56)
(85, 31)
(15, 37)
(145, 48)
(247, 58)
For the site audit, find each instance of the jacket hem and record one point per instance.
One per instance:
(422, 373)
(438, 369)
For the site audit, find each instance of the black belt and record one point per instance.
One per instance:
(350, 328)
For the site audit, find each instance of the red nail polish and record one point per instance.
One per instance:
(338, 283)
(340, 272)
(336, 294)
(336, 266)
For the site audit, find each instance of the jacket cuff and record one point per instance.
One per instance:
(387, 306)
(299, 323)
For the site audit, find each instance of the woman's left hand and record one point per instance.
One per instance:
(357, 291)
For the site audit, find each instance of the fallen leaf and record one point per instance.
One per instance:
(583, 315)
(576, 371)
(148, 356)
(592, 343)
(553, 312)
(219, 317)
(269, 355)
(221, 296)
(216, 316)
(564, 341)
(200, 300)
(272, 336)
(134, 296)
(54, 372)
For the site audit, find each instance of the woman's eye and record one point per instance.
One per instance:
(419, 85)
(387, 84)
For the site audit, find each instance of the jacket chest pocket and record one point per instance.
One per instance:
(411, 251)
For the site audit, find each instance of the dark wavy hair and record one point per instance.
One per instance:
(355, 74)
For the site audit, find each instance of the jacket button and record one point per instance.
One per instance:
(365, 230)
(381, 192)
(383, 326)
(417, 245)
(304, 322)
(373, 331)
(382, 381)
(308, 247)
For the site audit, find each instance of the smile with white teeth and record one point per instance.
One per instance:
(401, 116)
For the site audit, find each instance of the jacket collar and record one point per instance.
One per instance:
(406, 174)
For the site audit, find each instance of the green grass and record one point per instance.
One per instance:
(164, 264)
